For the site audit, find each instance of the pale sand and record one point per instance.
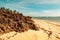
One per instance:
(48, 31)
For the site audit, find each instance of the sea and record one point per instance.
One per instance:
(54, 19)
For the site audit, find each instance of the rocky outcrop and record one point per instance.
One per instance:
(15, 21)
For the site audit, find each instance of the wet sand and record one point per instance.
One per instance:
(48, 31)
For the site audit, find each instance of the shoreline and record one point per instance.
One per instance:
(53, 22)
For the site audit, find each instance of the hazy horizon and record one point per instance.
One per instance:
(34, 7)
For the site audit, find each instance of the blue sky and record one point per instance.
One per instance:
(33, 7)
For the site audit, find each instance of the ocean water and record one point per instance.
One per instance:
(54, 19)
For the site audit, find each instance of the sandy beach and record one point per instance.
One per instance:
(48, 31)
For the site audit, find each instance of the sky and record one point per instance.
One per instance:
(33, 7)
